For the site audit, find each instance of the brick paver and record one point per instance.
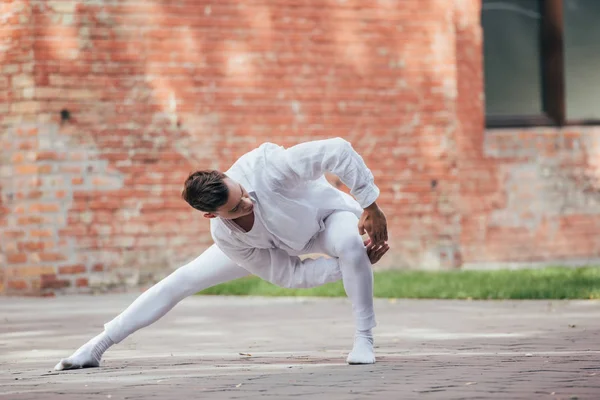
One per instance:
(250, 348)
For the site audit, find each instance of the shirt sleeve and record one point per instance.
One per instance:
(311, 160)
(279, 268)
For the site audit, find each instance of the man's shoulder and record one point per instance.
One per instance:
(224, 238)
(219, 231)
(264, 147)
(270, 146)
(255, 161)
(217, 227)
(257, 153)
(264, 150)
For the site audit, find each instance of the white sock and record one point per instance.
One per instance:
(88, 355)
(362, 353)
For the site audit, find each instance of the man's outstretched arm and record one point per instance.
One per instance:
(311, 160)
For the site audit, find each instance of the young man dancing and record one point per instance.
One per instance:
(272, 206)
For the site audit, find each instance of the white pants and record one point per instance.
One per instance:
(339, 239)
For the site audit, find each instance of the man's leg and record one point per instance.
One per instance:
(209, 269)
(341, 239)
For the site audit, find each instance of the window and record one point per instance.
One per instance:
(541, 62)
(582, 59)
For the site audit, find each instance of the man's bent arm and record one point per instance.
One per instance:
(279, 268)
(310, 160)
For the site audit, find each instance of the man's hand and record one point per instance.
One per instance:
(375, 252)
(373, 222)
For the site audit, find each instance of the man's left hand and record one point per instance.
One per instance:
(373, 222)
(375, 252)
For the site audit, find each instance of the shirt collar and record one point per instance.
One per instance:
(231, 226)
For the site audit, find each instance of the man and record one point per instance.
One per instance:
(270, 207)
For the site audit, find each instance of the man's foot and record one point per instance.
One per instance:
(88, 355)
(362, 353)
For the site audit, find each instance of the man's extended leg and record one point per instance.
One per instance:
(341, 239)
(210, 268)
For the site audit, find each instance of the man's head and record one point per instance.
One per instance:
(216, 195)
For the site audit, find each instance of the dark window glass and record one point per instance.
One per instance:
(512, 57)
(582, 59)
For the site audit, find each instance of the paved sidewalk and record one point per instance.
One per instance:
(279, 348)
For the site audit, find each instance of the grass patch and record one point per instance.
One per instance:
(547, 283)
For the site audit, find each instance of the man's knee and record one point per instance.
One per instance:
(351, 248)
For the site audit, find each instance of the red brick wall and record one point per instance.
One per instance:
(16, 103)
(157, 89)
(528, 197)
(542, 202)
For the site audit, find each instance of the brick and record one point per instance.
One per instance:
(72, 269)
(17, 284)
(31, 195)
(73, 231)
(22, 81)
(25, 107)
(10, 246)
(27, 145)
(51, 257)
(34, 246)
(28, 93)
(29, 271)
(16, 258)
(18, 157)
(82, 282)
(31, 220)
(98, 268)
(45, 169)
(13, 234)
(81, 94)
(49, 156)
(45, 93)
(107, 204)
(106, 182)
(44, 208)
(11, 69)
(71, 169)
(50, 281)
(27, 169)
(40, 233)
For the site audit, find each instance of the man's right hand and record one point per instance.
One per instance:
(375, 252)
(373, 222)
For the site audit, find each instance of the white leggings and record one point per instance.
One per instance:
(339, 239)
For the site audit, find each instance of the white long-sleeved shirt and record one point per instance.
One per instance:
(291, 199)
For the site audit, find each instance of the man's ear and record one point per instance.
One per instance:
(209, 215)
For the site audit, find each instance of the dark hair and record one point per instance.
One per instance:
(205, 190)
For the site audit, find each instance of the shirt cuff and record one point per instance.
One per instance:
(368, 195)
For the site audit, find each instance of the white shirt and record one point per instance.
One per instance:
(291, 199)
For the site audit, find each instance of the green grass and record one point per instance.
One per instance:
(547, 283)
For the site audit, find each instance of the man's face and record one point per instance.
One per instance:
(238, 203)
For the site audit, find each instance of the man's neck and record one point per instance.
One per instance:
(246, 222)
